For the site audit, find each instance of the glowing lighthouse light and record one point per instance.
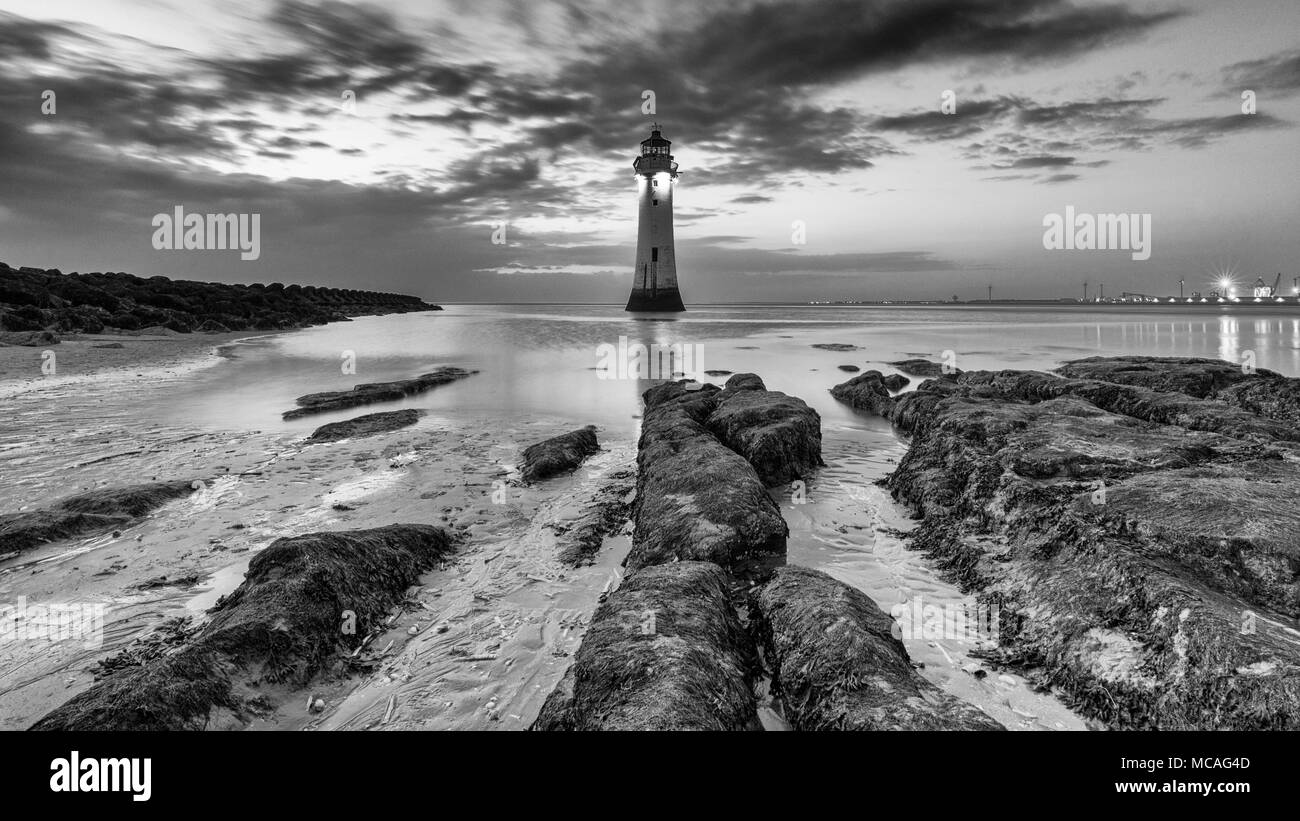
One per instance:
(654, 283)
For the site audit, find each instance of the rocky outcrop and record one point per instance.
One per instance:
(1190, 375)
(1138, 540)
(32, 299)
(696, 498)
(370, 393)
(779, 435)
(895, 382)
(368, 425)
(559, 454)
(281, 626)
(1146, 404)
(29, 339)
(838, 347)
(922, 367)
(86, 513)
(837, 664)
(666, 651)
(1276, 399)
(866, 391)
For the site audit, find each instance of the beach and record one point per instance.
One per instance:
(484, 637)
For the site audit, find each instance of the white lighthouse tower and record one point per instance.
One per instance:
(654, 284)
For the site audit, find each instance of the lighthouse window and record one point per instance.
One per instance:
(656, 202)
(654, 254)
(656, 183)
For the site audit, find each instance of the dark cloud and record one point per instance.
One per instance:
(791, 44)
(1277, 74)
(1017, 132)
(23, 39)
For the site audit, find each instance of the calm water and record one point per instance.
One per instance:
(540, 361)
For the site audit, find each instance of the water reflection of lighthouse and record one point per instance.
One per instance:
(654, 284)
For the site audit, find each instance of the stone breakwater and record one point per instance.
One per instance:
(1133, 519)
(32, 299)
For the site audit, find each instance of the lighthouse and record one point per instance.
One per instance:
(654, 283)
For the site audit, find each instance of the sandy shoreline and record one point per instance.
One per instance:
(83, 358)
(503, 588)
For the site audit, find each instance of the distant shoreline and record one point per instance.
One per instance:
(1290, 303)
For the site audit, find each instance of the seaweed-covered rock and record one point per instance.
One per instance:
(666, 651)
(1193, 376)
(895, 382)
(32, 299)
(373, 392)
(696, 498)
(85, 513)
(838, 665)
(29, 339)
(923, 367)
(281, 625)
(559, 454)
(866, 391)
(1137, 541)
(368, 425)
(778, 434)
(1277, 399)
(605, 512)
(1147, 404)
(838, 347)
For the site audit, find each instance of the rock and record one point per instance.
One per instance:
(866, 391)
(32, 299)
(849, 368)
(113, 345)
(368, 425)
(718, 373)
(1190, 375)
(559, 454)
(187, 580)
(370, 393)
(1277, 399)
(922, 367)
(666, 651)
(838, 347)
(280, 626)
(838, 666)
(1139, 542)
(29, 339)
(895, 382)
(696, 498)
(604, 513)
(1147, 404)
(779, 435)
(97, 511)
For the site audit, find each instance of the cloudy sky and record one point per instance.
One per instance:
(471, 113)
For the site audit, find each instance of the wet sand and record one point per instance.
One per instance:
(505, 594)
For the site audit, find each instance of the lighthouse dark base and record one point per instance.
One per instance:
(662, 299)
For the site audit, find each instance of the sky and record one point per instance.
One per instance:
(386, 146)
